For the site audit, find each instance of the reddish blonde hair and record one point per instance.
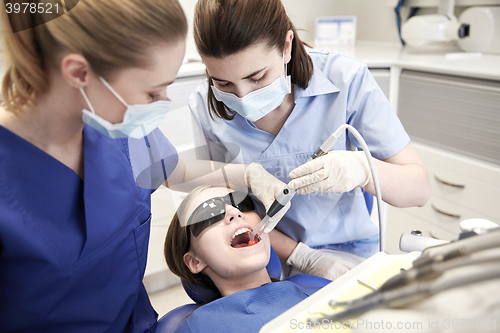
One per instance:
(110, 34)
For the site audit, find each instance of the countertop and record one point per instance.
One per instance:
(447, 59)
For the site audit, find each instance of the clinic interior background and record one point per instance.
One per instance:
(376, 21)
(376, 38)
(376, 26)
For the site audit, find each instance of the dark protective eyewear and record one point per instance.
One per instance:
(214, 210)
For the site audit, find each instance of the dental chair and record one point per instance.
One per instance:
(201, 295)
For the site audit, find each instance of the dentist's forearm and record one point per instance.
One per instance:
(193, 173)
(282, 244)
(401, 185)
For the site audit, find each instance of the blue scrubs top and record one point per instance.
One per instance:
(73, 252)
(247, 310)
(341, 90)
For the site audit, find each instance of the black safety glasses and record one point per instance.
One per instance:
(214, 210)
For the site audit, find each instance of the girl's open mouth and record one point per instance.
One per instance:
(241, 238)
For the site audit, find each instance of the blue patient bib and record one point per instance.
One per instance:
(247, 310)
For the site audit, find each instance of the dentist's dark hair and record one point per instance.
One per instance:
(225, 27)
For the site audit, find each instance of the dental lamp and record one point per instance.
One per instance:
(430, 29)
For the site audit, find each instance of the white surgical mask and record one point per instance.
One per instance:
(260, 102)
(139, 120)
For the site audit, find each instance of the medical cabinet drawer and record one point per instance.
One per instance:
(464, 191)
(446, 214)
(486, 172)
(464, 182)
(461, 188)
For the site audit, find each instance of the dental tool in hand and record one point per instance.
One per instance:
(287, 193)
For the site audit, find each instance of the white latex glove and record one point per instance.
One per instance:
(338, 171)
(265, 187)
(319, 263)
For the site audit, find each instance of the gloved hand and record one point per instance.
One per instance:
(266, 188)
(318, 262)
(338, 171)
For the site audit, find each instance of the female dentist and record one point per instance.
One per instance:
(279, 101)
(74, 225)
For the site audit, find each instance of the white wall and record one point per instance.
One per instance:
(303, 15)
(376, 21)
(188, 7)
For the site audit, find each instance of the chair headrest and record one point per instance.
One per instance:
(201, 294)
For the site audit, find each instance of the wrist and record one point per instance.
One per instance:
(295, 257)
(246, 175)
(290, 254)
(361, 156)
(282, 244)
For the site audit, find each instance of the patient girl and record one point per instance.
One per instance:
(207, 243)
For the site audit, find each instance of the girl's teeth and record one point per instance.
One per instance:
(239, 232)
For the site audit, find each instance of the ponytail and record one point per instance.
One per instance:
(25, 74)
(301, 65)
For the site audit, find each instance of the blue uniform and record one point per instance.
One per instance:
(341, 90)
(73, 252)
(247, 310)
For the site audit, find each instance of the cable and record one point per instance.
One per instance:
(287, 194)
(378, 194)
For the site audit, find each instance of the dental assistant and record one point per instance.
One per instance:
(279, 101)
(74, 224)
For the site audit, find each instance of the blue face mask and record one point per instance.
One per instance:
(258, 103)
(139, 120)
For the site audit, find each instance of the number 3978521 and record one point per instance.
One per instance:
(28, 7)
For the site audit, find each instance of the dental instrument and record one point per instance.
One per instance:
(417, 242)
(287, 194)
(426, 277)
(408, 294)
(366, 284)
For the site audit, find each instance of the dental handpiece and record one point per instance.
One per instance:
(287, 193)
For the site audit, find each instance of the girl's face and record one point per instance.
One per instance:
(253, 68)
(138, 85)
(219, 250)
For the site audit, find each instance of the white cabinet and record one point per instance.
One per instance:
(454, 123)
(461, 188)
(455, 113)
